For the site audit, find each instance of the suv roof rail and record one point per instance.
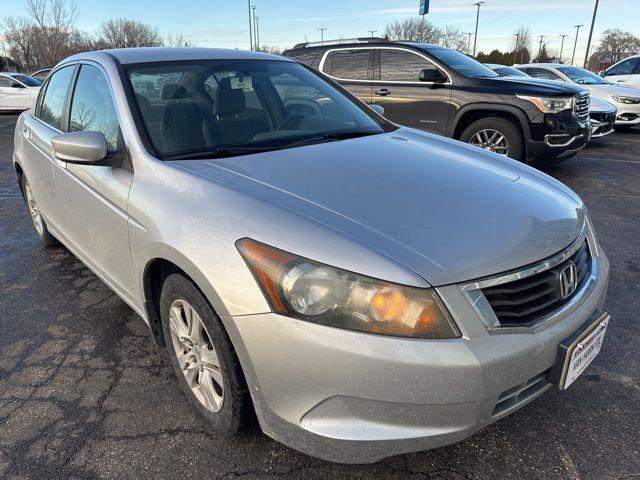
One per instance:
(341, 41)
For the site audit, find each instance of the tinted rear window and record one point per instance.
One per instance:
(349, 64)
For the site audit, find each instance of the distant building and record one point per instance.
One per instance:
(8, 65)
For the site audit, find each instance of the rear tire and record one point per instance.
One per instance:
(37, 219)
(203, 357)
(494, 134)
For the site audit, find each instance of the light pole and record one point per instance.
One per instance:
(250, 29)
(515, 50)
(575, 43)
(322, 29)
(469, 44)
(540, 48)
(562, 46)
(258, 33)
(253, 9)
(475, 40)
(372, 32)
(593, 21)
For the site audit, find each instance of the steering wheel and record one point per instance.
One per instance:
(288, 120)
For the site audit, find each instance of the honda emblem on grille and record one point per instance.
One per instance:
(568, 279)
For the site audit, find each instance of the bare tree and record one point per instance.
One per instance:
(270, 49)
(413, 29)
(125, 33)
(452, 37)
(178, 41)
(616, 45)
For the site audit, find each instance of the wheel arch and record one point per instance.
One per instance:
(19, 173)
(470, 113)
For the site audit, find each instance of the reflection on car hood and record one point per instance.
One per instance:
(607, 90)
(599, 105)
(449, 211)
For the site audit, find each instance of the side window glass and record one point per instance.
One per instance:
(92, 107)
(348, 64)
(5, 82)
(55, 95)
(624, 68)
(542, 73)
(401, 66)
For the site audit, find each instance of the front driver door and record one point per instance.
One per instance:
(622, 72)
(407, 100)
(95, 196)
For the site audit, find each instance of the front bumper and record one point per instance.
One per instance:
(357, 398)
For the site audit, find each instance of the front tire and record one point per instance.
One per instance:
(497, 135)
(203, 357)
(37, 219)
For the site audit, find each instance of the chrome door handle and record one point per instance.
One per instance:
(383, 92)
(26, 133)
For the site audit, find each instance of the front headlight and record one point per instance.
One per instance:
(549, 104)
(627, 100)
(311, 291)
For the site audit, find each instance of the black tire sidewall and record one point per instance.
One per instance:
(226, 421)
(45, 237)
(505, 127)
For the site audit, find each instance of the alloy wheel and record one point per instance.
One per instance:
(196, 355)
(36, 216)
(491, 140)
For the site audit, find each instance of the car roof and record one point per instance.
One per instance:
(166, 54)
(334, 44)
(496, 65)
(544, 65)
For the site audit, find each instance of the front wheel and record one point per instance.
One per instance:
(203, 357)
(39, 224)
(497, 135)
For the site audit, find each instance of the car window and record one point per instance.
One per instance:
(246, 104)
(510, 72)
(582, 76)
(92, 108)
(5, 82)
(401, 66)
(310, 58)
(543, 73)
(624, 68)
(461, 63)
(351, 64)
(52, 107)
(149, 85)
(27, 80)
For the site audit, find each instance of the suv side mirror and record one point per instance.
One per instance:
(432, 75)
(84, 148)
(379, 109)
(17, 85)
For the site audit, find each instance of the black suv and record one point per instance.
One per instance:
(443, 91)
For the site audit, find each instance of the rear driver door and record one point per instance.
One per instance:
(352, 68)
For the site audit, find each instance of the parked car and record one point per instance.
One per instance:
(440, 90)
(626, 72)
(17, 91)
(506, 71)
(602, 113)
(625, 99)
(367, 289)
(41, 74)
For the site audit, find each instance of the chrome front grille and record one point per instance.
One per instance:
(581, 107)
(526, 301)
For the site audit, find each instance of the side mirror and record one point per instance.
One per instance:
(432, 75)
(84, 148)
(379, 109)
(17, 85)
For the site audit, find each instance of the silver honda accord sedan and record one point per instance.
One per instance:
(362, 288)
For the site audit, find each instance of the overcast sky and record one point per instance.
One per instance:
(286, 22)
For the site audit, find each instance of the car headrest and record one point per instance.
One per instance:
(227, 100)
(172, 91)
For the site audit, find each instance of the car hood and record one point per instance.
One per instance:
(599, 105)
(526, 85)
(608, 90)
(448, 211)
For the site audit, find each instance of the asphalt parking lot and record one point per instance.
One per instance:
(84, 393)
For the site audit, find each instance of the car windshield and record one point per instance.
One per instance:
(461, 63)
(509, 72)
(27, 80)
(582, 76)
(205, 109)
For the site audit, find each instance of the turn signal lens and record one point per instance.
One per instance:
(304, 289)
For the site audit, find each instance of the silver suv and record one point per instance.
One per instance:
(365, 289)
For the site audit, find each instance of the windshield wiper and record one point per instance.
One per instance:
(219, 152)
(328, 137)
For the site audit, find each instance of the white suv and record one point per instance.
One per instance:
(626, 72)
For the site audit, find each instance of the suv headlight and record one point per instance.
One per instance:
(311, 291)
(550, 104)
(627, 100)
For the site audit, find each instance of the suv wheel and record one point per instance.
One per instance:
(496, 135)
(203, 357)
(39, 224)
